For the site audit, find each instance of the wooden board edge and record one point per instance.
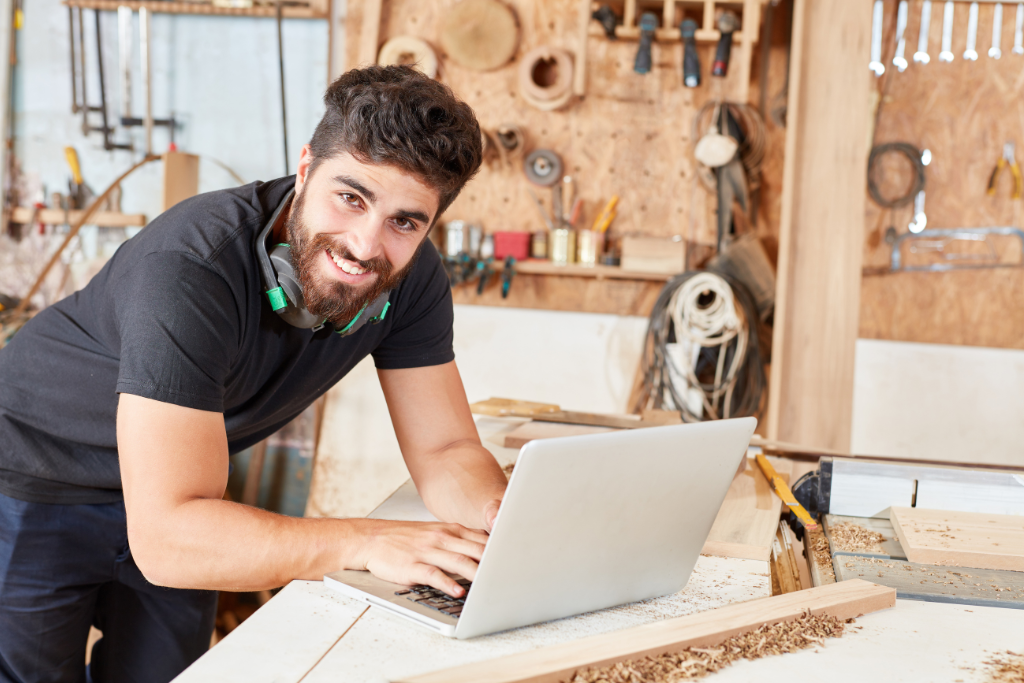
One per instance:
(844, 600)
(740, 551)
(972, 559)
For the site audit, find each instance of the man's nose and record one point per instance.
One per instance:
(364, 241)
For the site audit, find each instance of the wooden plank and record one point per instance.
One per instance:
(558, 663)
(747, 521)
(821, 231)
(104, 219)
(181, 177)
(912, 581)
(960, 539)
(520, 436)
(538, 267)
(311, 11)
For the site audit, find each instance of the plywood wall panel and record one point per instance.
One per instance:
(963, 112)
(630, 135)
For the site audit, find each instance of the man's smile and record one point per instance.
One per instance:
(346, 270)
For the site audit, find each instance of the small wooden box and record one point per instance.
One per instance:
(654, 254)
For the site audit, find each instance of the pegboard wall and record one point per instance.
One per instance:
(963, 111)
(629, 134)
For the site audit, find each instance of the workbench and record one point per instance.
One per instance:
(310, 633)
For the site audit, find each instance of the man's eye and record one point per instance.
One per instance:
(405, 224)
(350, 198)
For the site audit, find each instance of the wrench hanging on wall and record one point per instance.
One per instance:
(972, 34)
(900, 60)
(1018, 31)
(876, 39)
(947, 33)
(997, 32)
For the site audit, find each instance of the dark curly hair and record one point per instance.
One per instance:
(396, 116)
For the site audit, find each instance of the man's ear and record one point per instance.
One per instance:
(302, 172)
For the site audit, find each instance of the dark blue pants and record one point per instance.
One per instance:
(66, 567)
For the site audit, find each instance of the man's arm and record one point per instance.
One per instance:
(458, 479)
(174, 469)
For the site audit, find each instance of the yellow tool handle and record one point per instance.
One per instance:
(76, 170)
(604, 219)
(1018, 181)
(782, 490)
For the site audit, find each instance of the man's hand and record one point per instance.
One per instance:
(491, 513)
(413, 553)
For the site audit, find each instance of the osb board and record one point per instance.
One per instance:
(963, 112)
(566, 293)
(960, 539)
(630, 135)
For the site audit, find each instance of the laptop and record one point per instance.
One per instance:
(587, 522)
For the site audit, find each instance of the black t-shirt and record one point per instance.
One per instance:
(179, 315)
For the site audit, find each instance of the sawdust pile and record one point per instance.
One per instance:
(822, 554)
(507, 469)
(1007, 668)
(697, 662)
(855, 538)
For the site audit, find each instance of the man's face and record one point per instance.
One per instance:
(355, 229)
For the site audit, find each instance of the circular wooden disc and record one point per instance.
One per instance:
(409, 50)
(480, 34)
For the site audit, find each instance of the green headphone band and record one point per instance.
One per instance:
(283, 291)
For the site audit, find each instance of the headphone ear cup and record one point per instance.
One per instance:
(295, 313)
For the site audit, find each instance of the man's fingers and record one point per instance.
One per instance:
(435, 578)
(452, 563)
(473, 535)
(462, 546)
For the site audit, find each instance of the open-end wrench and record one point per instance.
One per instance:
(899, 61)
(947, 33)
(876, 40)
(997, 32)
(921, 56)
(972, 34)
(1018, 31)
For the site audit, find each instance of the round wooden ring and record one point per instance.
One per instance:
(411, 51)
(546, 96)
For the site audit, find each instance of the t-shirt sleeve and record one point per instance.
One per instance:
(422, 332)
(180, 331)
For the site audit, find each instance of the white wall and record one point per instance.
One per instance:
(219, 76)
(938, 402)
(580, 361)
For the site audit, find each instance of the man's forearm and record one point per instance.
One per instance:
(217, 544)
(459, 482)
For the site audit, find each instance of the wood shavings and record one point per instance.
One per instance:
(697, 662)
(1007, 667)
(507, 469)
(822, 555)
(853, 538)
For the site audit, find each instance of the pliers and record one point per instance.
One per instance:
(1007, 159)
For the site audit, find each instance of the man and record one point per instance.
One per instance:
(120, 405)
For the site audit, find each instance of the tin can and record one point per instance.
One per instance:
(563, 246)
(589, 244)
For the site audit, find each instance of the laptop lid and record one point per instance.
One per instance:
(590, 522)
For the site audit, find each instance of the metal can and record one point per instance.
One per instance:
(563, 246)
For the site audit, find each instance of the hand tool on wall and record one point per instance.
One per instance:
(506, 275)
(972, 34)
(1018, 31)
(543, 212)
(877, 16)
(543, 167)
(920, 221)
(691, 60)
(284, 108)
(783, 492)
(899, 60)
(921, 56)
(997, 32)
(947, 33)
(728, 23)
(557, 210)
(605, 15)
(124, 58)
(1008, 160)
(644, 60)
(79, 193)
(568, 197)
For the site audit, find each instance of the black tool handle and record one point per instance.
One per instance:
(648, 22)
(691, 60)
(721, 66)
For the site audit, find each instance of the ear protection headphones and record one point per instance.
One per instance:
(285, 293)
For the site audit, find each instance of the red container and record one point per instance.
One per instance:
(514, 244)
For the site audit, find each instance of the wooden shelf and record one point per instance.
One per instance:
(312, 11)
(539, 267)
(104, 219)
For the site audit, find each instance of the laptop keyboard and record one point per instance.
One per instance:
(437, 600)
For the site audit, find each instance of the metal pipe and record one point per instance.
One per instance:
(103, 88)
(74, 64)
(284, 109)
(81, 57)
(144, 55)
(124, 58)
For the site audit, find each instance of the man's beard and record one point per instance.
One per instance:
(337, 302)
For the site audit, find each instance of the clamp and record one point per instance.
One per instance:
(1009, 160)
